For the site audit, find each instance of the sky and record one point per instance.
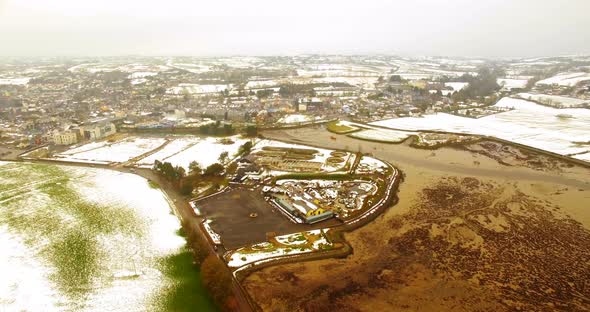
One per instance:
(482, 28)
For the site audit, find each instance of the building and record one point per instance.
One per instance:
(299, 209)
(98, 130)
(65, 138)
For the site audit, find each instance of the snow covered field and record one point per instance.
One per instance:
(14, 81)
(512, 83)
(554, 100)
(382, 135)
(584, 157)
(206, 152)
(141, 75)
(565, 79)
(172, 148)
(180, 151)
(193, 88)
(111, 67)
(297, 118)
(83, 239)
(192, 68)
(84, 148)
(321, 156)
(529, 124)
(121, 151)
(260, 84)
(290, 244)
(370, 165)
(457, 86)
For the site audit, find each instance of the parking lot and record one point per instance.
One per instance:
(230, 212)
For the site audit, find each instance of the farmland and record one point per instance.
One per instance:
(528, 123)
(88, 240)
(143, 151)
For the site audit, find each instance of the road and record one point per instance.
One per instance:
(186, 214)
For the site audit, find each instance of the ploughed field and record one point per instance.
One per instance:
(477, 227)
(83, 239)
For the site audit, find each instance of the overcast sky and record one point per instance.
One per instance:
(488, 28)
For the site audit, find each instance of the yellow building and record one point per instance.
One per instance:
(315, 212)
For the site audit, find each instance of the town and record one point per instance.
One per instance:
(268, 162)
(63, 103)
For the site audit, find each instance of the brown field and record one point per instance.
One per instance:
(474, 230)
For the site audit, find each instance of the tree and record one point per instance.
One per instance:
(168, 171)
(232, 168)
(194, 168)
(228, 128)
(179, 172)
(251, 130)
(395, 78)
(245, 149)
(223, 157)
(264, 93)
(186, 188)
(199, 246)
(157, 165)
(217, 279)
(215, 169)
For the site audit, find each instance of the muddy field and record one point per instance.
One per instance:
(468, 234)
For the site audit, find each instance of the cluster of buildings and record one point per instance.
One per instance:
(312, 201)
(39, 99)
(92, 131)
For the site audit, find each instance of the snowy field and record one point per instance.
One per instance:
(121, 151)
(116, 227)
(342, 70)
(529, 124)
(260, 84)
(83, 148)
(457, 86)
(370, 165)
(554, 100)
(192, 68)
(206, 152)
(584, 157)
(565, 79)
(193, 88)
(321, 156)
(297, 118)
(172, 148)
(382, 135)
(290, 244)
(141, 75)
(107, 67)
(14, 81)
(179, 151)
(512, 83)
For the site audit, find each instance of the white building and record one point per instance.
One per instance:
(99, 130)
(65, 138)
